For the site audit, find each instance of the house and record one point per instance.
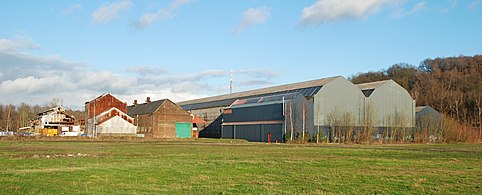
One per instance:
(53, 122)
(161, 119)
(106, 116)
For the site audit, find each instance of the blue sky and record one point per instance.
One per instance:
(184, 49)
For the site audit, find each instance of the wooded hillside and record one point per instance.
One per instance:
(451, 85)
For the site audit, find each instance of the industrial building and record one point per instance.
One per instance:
(106, 116)
(261, 119)
(427, 118)
(321, 101)
(54, 121)
(161, 119)
(387, 104)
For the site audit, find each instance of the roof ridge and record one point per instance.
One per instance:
(372, 85)
(278, 88)
(149, 102)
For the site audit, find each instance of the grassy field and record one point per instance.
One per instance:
(207, 166)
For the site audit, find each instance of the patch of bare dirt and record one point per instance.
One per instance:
(78, 155)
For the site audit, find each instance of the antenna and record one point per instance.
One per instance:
(231, 82)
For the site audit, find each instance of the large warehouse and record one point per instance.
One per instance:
(388, 104)
(322, 101)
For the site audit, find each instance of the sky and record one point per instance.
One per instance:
(186, 49)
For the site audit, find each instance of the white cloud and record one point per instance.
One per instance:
(258, 73)
(18, 43)
(162, 14)
(324, 11)
(72, 9)
(109, 11)
(146, 70)
(253, 16)
(475, 4)
(454, 3)
(37, 79)
(416, 8)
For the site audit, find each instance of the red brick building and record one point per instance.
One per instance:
(161, 119)
(106, 115)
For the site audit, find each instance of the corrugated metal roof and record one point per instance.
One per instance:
(307, 92)
(145, 108)
(281, 88)
(307, 88)
(265, 99)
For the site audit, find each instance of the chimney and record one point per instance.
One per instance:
(148, 100)
(135, 102)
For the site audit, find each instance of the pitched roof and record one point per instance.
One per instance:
(307, 88)
(196, 119)
(264, 100)
(420, 108)
(55, 109)
(145, 108)
(103, 95)
(368, 88)
(371, 85)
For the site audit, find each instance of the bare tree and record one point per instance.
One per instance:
(292, 126)
(305, 115)
(334, 123)
(54, 102)
(24, 115)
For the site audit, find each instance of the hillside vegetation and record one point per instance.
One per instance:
(451, 85)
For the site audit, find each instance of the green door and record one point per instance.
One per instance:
(183, 130)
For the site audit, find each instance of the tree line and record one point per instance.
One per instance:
(452, 85)
(13, 117)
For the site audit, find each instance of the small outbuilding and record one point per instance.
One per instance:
(161, 119)
(197, 123)
(427, 118)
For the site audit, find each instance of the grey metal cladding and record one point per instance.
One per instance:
(271, 112)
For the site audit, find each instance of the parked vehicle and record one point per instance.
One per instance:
(49, 132)
(70, 134)
(7, 133)
(24, 134)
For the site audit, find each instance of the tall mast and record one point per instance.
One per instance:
(231, 82)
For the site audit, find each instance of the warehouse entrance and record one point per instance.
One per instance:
(183, 130)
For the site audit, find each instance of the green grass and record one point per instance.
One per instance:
(210, 166)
